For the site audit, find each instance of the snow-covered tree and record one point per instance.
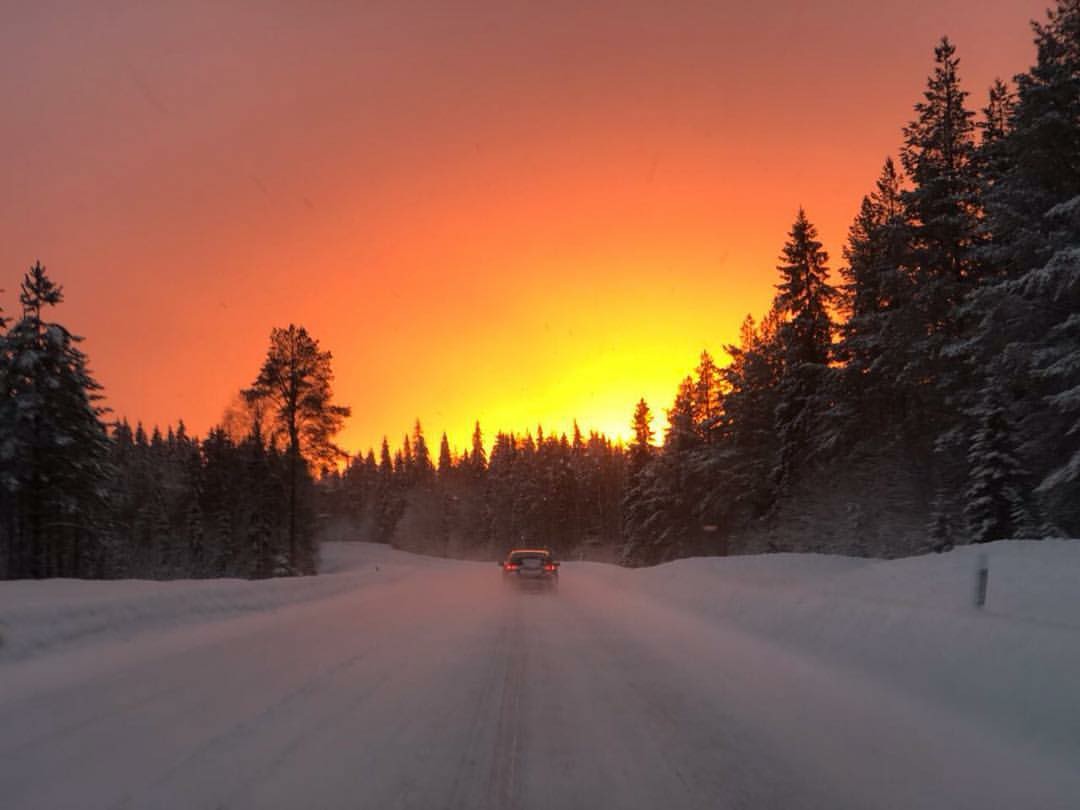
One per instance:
(53, 444)
(1027, 335)
(1040, 153)
(803, 302)
(994, 502)
(804, 296)
(938, 156)
(876, 297)
(877, 285)
(749, 430)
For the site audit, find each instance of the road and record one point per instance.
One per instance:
(439, 688)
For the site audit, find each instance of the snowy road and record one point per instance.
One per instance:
(428, 685)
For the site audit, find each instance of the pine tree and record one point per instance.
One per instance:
(803, 300)
(642, 445)
(406, 463)
(1039, 156)
(446, 461)
(578, 444)
(654, 513)
(1027, 338)
(1055, 369)
(661, 504)
(295, 381)
(994, 504)
(871, 389)
(681, 434)
(707, 397)
(53, 459)
(748, 428)
(876, 285)
(388, 503)
(423, 469)
(804, 296)
(385, 465)
(939, 157)
(940, 525)
(997, 114)
(478, 457)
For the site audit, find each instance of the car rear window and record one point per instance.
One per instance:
(529, 555)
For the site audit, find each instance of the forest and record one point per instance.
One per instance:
(922, 392)
(926, 394)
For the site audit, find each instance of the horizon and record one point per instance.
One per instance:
(488, 215)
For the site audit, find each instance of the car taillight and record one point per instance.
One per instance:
(549, 567)
(511, 566)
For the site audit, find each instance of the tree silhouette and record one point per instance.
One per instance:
(295, 379)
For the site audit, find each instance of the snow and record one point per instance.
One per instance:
(394, 680)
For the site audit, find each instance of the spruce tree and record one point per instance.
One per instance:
(681, 434)
(446, 461)
(804, 296)
(707, 396)
(641, 446)
(803, 301)
(939, 158)
(578, 443)
(1039, 156)
(388, 502)
(478, 456)
(994, 502)
(423, 468)
(1028, 333)
(749, 432)
(875, 283)
(997, 114)
(880, 325)
(53, 463)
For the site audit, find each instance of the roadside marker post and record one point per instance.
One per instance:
(982, 580)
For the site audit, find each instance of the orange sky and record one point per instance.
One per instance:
(513, 211)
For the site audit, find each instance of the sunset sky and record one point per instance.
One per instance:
(519, 212)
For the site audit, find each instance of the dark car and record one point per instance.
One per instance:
(535, 567)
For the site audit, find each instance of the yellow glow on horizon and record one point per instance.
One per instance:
(492, 216)
(539, 378)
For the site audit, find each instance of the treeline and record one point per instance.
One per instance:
(943, 363)
(565, 493)
(84, 497)
(181, 507)
(949, 345)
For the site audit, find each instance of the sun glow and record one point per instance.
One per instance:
(483, 216)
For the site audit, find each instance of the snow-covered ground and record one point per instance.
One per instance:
(391, 680)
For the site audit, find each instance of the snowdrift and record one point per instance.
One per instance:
(912, 624)
(38, 616)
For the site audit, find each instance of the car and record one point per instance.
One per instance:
(532, 567)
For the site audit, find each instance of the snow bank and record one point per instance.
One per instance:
(36, 616)
(912, 624)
